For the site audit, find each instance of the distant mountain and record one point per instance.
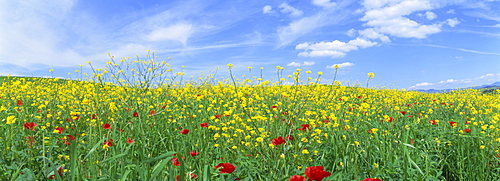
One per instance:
(495, 84)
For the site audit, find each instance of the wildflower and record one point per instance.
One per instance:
(59, 171)
(135, 114)
(11, 120)
(194, 153)
(175, 162)
(19, 102)
(434, 122)
(304, 127)
(106, 126)
(226, 167)
(289, 137)
(184, 131)
(371, 75)
(316, 173)
(453, 123)
(403, 112)
(71, 138)
(130, 141)
(152, 113)
(467, 130)
(297, 178)
(59, 130)
(305, 151)
(204, 125)
(373, 130)
(371, 179)
(278, 141)
(30, 125)
(107, 144)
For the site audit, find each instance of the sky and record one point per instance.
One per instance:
(410, 44)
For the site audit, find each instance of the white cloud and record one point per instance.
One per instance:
(324, 3)
(177, 32)
(285, 8)
(371, 33)
(351, 33)
(334, 49)
(388, 17)
(451, 11)
(430, 15)
(296, 64)
(267, 9)
(448, 81)
(341, 65)
(452, 22)
(423, 84)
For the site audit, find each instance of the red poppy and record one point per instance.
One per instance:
(19, 102)
(390, 119)
(71, 138)
(176, 162)
(204, 125)
(60, 130)
(193, 176)
(289, 137)
(274, 107)
(372, 179)
(109, 142)
(135, 114)
(152, 113)
(185, 131)
(226, 167)
(453, 123)
(434, 122)
(467, 130)
(278, 141)
(304, 127)
(106, 126)
(30, 125)
(93, 116)
(130, 141)
(194, 153)
(297, 178)
(403, 112)
(217, 116)
(59, 171)
(316, 173)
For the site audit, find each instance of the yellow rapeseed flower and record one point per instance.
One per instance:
(11, 120)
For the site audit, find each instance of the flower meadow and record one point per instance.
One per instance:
(138, 120)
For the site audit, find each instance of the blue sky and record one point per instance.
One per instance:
(412, 44)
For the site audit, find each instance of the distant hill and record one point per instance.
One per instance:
(493, 85)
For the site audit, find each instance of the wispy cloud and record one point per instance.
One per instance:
(326, 16)
(296, 64)
(286, 8)
(341, 65)
(462, 49)
(334, 49)
(267, 9)
(458, 83)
